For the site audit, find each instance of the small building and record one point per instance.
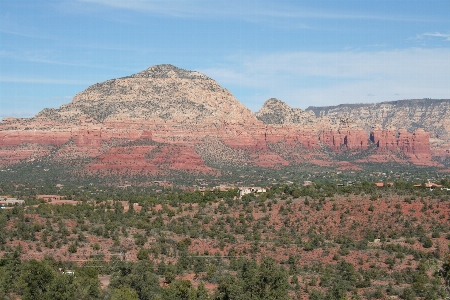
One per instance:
(429, 185)
(382, 184)
(49, 198)
(248, 190)
(11, 201)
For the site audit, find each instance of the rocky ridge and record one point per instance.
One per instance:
(344, 132)
(166, 118)
(433, 116)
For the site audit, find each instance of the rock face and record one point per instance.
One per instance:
(345, 139)
(384, 139)
(432, 116)
(347, 131)
(162, 93)
(166, 119)
(275, 111)
(416, 143)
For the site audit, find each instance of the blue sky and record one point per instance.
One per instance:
(302, 52)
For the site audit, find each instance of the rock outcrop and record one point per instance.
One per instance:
(275, 111)
(384, 139)
(416, 145)
(166, 119)
(162, 93)
(432, 116)
(345, 139)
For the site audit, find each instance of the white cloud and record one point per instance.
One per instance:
(312, 78)
(249, 10)
(446, 36)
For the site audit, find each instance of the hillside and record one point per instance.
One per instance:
(304, 242)
(162, 93)
(166, 121)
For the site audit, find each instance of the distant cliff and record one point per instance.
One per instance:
(166, 119)
(431, 115)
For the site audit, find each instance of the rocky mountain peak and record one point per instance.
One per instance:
(161, 94)
(275, 111)
(168, 71)
(274, 104)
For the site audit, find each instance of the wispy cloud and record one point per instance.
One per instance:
(243, 9)
(26, 34)
(46, 57)
(446, 36)
(12, 26)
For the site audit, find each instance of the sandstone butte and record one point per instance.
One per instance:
(166, 118)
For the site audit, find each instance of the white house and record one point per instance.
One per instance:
(248, 190)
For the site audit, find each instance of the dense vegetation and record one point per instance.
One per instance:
(47, 172)
(320, 242)
(49, 279)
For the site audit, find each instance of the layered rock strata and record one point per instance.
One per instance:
(166, 118)
(432, 116)
(345, 139)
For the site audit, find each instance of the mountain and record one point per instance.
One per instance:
(166, 120)
(275, 111)
(162, 93)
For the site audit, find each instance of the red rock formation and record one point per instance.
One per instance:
(88, 137)
(308, 139)
(356, 139)
(404, 141)
(94, 140)
(291, 135)
(149, 160)
(416, 145)
(269, 160)
(332, 139)
(18, 137)
(146, 134)
(345, 139)
(183, 112)
(384, 139)
(421, 143)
